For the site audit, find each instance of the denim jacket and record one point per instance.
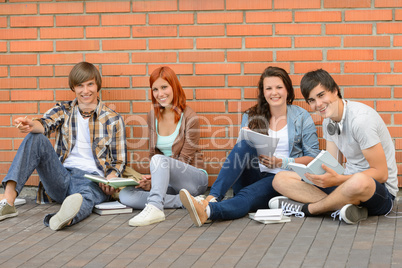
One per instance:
(303, 140)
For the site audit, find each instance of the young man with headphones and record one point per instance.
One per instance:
(354, 130)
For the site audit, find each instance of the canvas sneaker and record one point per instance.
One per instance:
(68, 210)
(149, 215)
(352, 214)
(196, 208)
(6, 210)
(210, 199)
(289, 206)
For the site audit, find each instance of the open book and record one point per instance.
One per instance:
(114, 207)
(314, 167)
(114, 182)
(267, 216)
(264, 144)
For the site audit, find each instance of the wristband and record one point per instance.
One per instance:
(286, 161)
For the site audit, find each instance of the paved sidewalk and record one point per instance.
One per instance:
(108, 241)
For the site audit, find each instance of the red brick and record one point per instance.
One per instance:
(304, 67)
(202, 81)
(119, 82)
(5, 120)
(125, 44)
(386, 118)
(62, 70)
(124, 19)
(398, 119)
(243, 81)
(220, 119)
(389, 106)
(81, 20)
(123, 69)
(367, 92)
(249, 56)
(325, 41)
(140, 81)
(18, 9)
(387, 3)
(349, 54)
(153, 6)
(77, 45)
(347, 28)
(389, 28)
(240, 106)
(207, 106)
(53, 83)
(203, 30)
(226, 68)
(120, 107)
(107, 32)
(128, 94)
(177, 68)
(258, 68)
(318, 16)
(64, 95)
(389, 79)
(398, 67)
(235, 29)
(153, 57)
(346, 3)
(7, 156)
(398, 41)
(31, 71)
(32, 95)
(8, 83)
(30, 46)
(5, 95)
(296, 4)
(3, 46)
(3, 22)
(18, 59)
(45, 106)
(398, 14)
(297, 29)
(214, 56)
(367, 67)
(220, 17)
(109, 7)
(389, 54)
(354, 80)
(183, 18)
(18, 108)
(60, 58)
(201, 5)
(61, 8)
(270, 16)
(268, 42)
(154, 31)
(299, 55)
(207, 43)
(107, 57)
(31, 21)
(61, 33)
(367, 41)
(9, 34)
(4, 71)
(170, 43)
(217, 93)
(250, 4)
(368, 15)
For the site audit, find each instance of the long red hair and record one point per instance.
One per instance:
(179, 97)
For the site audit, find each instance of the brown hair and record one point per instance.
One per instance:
(82, 72)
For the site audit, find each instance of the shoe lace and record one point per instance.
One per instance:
(3, 203)
(199, 198)
(336, 214)
(292, 209)
(146, 211)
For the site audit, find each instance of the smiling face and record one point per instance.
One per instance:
(87, 94)
(162, 92)
(275, 92)
(325, 103)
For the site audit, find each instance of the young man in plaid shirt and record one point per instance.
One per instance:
(90, 138)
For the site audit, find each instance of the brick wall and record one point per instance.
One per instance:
(217, 47)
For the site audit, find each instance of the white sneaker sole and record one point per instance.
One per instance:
(274, 202)
(11, 215)
(70, 207)
(133, 222)
(185, 198)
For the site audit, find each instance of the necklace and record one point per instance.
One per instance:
(85, 114)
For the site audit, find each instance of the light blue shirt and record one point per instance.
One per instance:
(302, 133)
(165, 143)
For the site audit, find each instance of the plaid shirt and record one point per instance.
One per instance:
(106, 128)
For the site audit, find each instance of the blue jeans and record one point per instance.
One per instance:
(252, 189)
(36, 152)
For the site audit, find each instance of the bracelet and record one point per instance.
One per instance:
(286, 161)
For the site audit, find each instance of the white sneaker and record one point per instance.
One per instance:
(149, 215)
(352, 214)
(68, 210)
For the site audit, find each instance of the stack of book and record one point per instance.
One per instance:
(268, 216)
(108, 208)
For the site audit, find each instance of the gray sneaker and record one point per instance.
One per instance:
(7, 211)
(352, 214)
(289, 206)
(70, 207)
